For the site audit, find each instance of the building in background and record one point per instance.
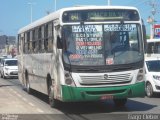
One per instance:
(8, 45)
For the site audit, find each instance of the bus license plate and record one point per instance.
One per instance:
(107, 97)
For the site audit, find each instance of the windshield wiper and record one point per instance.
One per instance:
(90, 69)
(122, 68)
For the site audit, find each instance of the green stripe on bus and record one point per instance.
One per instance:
(94, 94)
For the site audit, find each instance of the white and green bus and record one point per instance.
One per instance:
(84, 53)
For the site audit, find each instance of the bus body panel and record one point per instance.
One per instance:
(98, 93)
(38, 66)
(100, 80)
(93, 86)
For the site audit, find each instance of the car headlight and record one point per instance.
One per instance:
(6, 68)
(156, 77)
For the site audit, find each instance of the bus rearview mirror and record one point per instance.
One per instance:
(144, 37)
(59, 43)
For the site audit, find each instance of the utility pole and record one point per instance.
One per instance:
(31, 10)
(55, 5)
(109, 2)
(151, 19)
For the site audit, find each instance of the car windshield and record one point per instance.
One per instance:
(11, 63)
(153, 66)
(108, 44)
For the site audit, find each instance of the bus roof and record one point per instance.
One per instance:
(153, 40)
(151, 58)
(56, 15)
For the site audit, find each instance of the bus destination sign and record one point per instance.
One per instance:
(100, 15)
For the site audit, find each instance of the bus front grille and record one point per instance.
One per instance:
(109, 79)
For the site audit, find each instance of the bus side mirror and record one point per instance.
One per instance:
(59, 43)
(144, 37)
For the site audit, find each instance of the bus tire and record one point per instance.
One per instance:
(149, 89)
(52, 101)
(28, 89)
(120, 102)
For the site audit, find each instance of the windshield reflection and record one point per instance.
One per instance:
(111, 44)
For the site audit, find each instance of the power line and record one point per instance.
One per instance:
(154, 8)
(140, 3)
(55, 5)
(144, 2)
(135, 3)
(151, 19)
(109, 2)
(130, 2)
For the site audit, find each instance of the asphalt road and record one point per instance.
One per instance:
(16, 104)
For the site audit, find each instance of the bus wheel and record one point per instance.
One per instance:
(149, 90)
(28, 89)
(52, 101)
(120, 102)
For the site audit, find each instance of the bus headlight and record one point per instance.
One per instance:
(69, 79)
(140, 76)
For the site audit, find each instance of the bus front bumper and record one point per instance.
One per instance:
(73, 94)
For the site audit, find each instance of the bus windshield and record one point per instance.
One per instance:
(153, 47)
(107, 44)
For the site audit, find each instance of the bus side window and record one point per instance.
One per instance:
(151, 48)
(19, 44)
(43, 38)
(36, 41)
(30, 42)
(50, 37)
(33, 41)
(39, 41)
(27, 49)
(46, 38)
(25, 43)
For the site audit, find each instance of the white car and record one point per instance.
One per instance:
(152, 76)
(9, 68)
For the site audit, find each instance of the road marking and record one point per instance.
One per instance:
(31, 104)
(24, 99)
(11, 89)
(39, 110)
(19, 95)
(15, 92)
